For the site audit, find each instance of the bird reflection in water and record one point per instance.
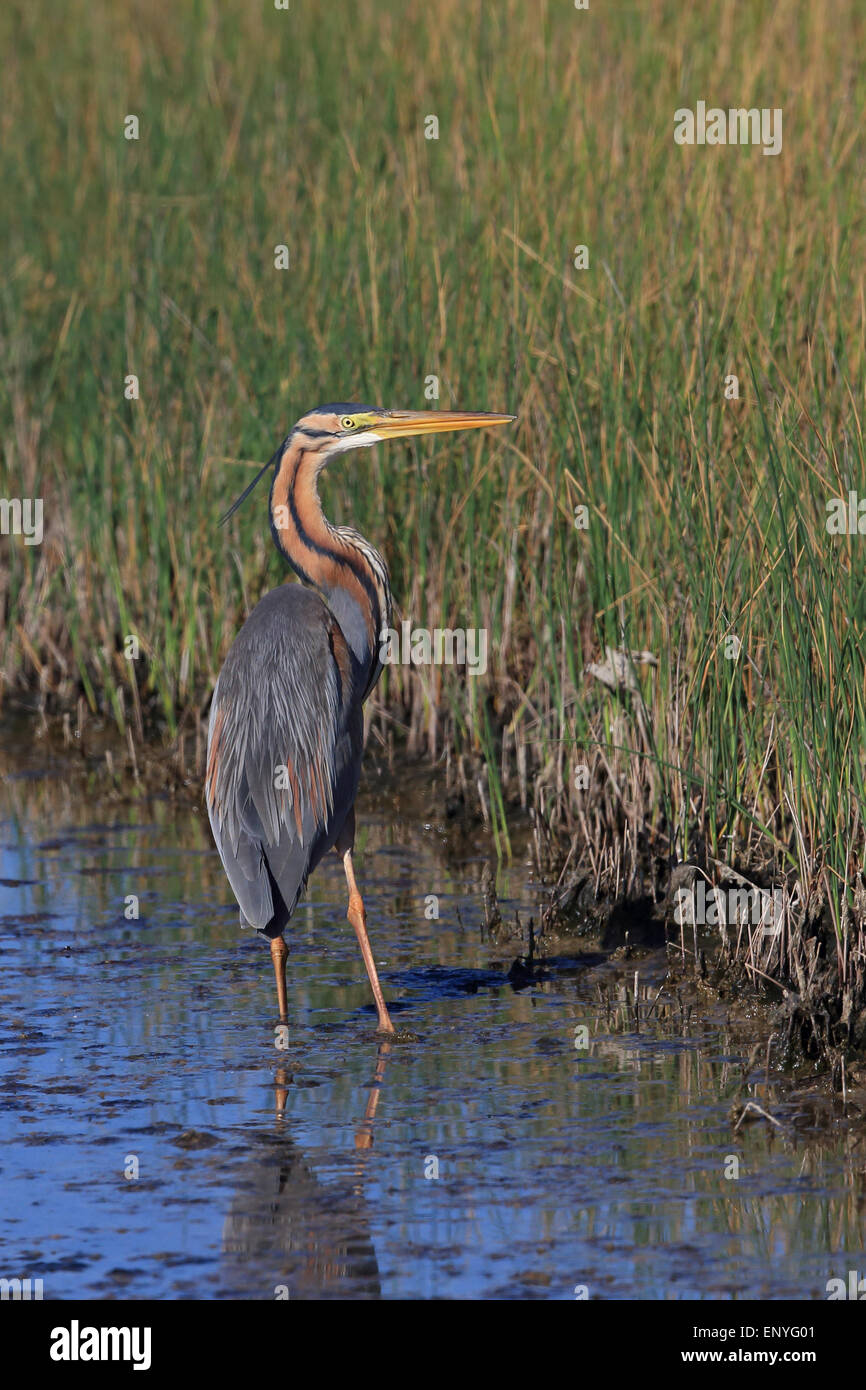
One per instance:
(290, 1235)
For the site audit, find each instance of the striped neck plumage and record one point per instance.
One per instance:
(347, 571)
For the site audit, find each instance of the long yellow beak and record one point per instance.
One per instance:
(397, 424)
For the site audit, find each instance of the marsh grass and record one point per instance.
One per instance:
(409, 257)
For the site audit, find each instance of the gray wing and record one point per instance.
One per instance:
(284, 749)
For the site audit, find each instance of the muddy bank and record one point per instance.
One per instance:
(737, 935)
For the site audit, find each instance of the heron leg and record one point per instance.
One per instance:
(279, 955)
(357, 915)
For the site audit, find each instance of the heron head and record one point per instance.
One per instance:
(335, 429)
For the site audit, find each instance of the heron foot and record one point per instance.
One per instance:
(387, 1033)
(397, 1035)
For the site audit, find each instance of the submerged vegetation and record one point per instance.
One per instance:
(644, 502)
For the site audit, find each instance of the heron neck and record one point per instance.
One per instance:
(330, 559)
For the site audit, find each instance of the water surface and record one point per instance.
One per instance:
(157, 1143)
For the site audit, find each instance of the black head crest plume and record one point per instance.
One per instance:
(226, 516)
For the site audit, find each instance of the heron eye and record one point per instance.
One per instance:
(348, 423)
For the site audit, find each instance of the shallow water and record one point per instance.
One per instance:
(156, 1143)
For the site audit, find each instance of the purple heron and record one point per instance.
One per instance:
(286, 731)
